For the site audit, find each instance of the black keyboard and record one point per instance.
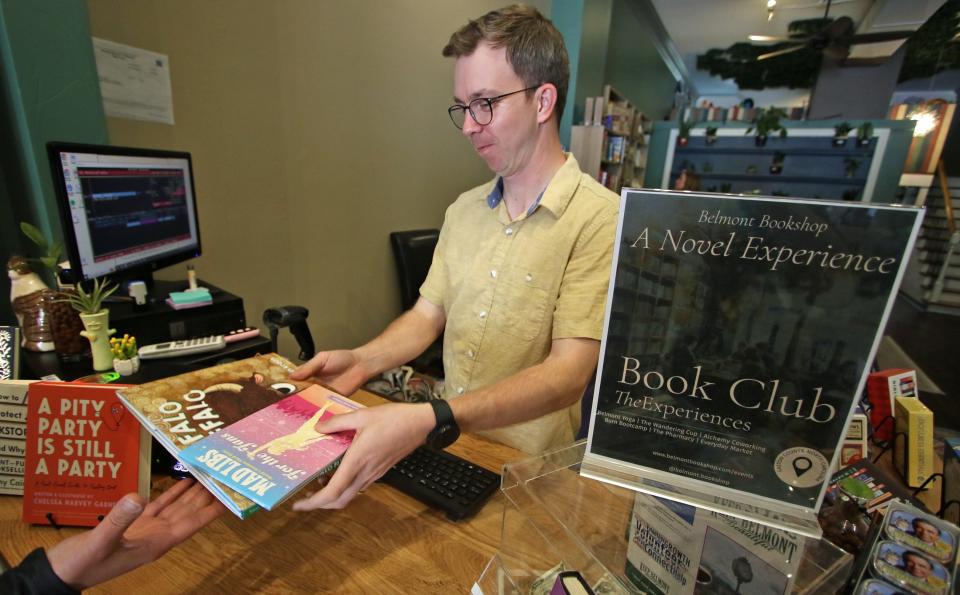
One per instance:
(444, 481)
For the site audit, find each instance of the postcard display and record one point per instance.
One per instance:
(739, 334)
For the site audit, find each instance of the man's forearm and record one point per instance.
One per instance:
(553, 384)
(404, 339)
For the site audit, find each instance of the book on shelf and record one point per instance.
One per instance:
(182, 410)
(766, 328)
(13, 434)
(84, 452)
(678, 549)
(913, 450)
(869, 486)
(9, 352)
(269, 455)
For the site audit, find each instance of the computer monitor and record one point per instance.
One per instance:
(125, 212)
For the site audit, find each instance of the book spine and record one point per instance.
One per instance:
(14, 391)
(11, 466)
(17, 413)
(11, 484)
(13, 448)
(10, 429)
(920, 448)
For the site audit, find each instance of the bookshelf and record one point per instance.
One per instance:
(611, 144)
(811, 165)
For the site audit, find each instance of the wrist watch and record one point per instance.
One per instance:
(446, 431)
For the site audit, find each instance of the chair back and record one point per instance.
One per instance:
(413, 252)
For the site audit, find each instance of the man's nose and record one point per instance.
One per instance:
(470, 125)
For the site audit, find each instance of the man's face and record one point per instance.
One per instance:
(507, 143)
(926, 532)
(917, 566)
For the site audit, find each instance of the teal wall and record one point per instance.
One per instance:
(609, 44)
(634, 66)
(48, 91)
(888, 176)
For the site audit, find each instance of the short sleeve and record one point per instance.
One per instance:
(583, 289)
(434, 286)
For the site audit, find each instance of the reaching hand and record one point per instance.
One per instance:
(131, 535)
(385, 434)
(341, 370)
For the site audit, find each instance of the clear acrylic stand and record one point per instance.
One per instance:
(553, 516)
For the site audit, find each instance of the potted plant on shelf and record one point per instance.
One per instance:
(768, 121)
(840, 133)
(683, 133)
(711, 135)
(126, 359)
(864, 134)
(850, 166)
(776, 166)
(95, 320)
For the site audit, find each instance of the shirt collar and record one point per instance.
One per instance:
(555, 197)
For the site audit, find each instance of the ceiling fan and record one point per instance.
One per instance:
(833, 40)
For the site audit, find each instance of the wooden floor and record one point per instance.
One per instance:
(931, 340)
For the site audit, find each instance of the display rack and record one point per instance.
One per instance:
(553, 516)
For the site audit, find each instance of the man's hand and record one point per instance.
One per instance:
(385, 434)
(131, 535)
(341, 370)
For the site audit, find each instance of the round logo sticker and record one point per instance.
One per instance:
(801, 467)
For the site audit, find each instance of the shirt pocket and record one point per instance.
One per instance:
(523, 308)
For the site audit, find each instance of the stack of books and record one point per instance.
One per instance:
(13, 434)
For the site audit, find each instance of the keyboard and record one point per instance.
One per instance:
(444, 481)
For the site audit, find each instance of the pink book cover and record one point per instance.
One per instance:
(269, 455)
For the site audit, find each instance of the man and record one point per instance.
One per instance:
(130, 536)
(519, 276)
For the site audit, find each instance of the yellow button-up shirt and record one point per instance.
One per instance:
(509, 287)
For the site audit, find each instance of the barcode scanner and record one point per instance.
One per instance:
(294, 317)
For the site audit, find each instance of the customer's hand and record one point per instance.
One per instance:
(341, 370)
(385, 434)
(131, 535)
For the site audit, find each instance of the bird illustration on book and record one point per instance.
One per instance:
(299, 439)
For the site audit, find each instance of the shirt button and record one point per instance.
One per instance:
(459, 390)
(483, 314)
(470, 354)
(493, 274)
(529, 277)
(508, 231)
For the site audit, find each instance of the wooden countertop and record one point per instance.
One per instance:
(383, 542)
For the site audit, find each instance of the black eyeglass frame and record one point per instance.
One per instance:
(479, 101)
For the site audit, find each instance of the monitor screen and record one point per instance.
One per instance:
(124, 210)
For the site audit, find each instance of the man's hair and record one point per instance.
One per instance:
(535, 48)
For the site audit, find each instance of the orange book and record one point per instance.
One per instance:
(84, 452)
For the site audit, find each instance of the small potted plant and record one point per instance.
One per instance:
(126, 360)
(95, 320)
(776, 166)
(840, 133)
(711, 135)
(768, 121)
(864, 134)
(683, 133)
(850, 166)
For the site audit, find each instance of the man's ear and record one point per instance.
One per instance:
(546, 102)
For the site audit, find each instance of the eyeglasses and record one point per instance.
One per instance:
(481, 109)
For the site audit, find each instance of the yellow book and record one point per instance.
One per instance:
(916, 421)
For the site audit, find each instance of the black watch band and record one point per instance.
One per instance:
(446, 431)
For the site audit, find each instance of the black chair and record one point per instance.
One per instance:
(413, 253)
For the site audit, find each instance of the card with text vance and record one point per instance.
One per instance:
(739, 333)
(272, 453)
(182, 410)
(84, 452)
